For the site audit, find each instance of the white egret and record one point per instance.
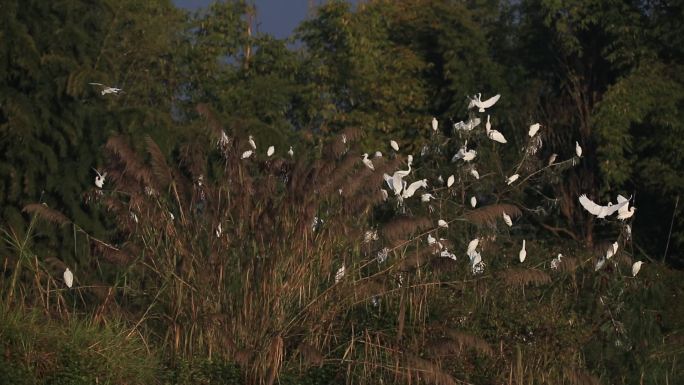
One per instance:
(339, 274)
(552, 158)
(523, 253)
(447, 254)
(394, 145)
(476, 101)
(426, 197)
(370, 235)
(247, 154)
(556, 262)
(442, 223)
(494, 134)
(100, 179)
(635, 268)
(533, 129)
(134, 217)
(251, 142)
(507, 219)
(270, 151)
(615, 247)
(368, 162)
(219, 230)
(398, 177)
(435, 124)
(384, 193)
(290, 152)
(68, 278)
(578, 150)
(411, 189)
(431, 239)
(474, 173)
(512, 179)
(106, 89)
(624, 212)
(377, 154)
(469, 126)
(472, 245)
(450, 180)
(599, 211)
(344, 138)
(628, 231)
(473, 201)
(440, 179)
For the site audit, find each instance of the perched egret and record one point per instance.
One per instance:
(472, 245)
(106, 89)
(435, 124)
(599, 211)
(377, 154)
(477, 102)
(474, 173)
(290, 152)
(68, 277)
(615, 247)
(394, 145)
(523, 253)
(247, 154)
(552, 158)
(440, 179)
(270, 151)
(100, 178)
(344, 138)
(442, 223)
(450, 180)
(426, 197)
(370, 235)
(494, 134)
(384, 193)
(473, 201)
(533, 129)
(635, 268)
(512, 179)
(578, 150)
(340, 274)
(411, 189)
(465, 154)
(219, 230)
(507, 219)
(368, 162)
(556, 262)
(251, 142)
(624, 212)
(447, 254)
(431, 239)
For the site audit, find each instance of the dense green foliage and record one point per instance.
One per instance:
(219, 269)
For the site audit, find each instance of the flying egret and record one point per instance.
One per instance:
(435, 124)
(411, 189)
(474, 173)
(368, 162)
(442, 223)
(473, 201)
(552, 158)
(394, 145)
(512, 179)
(450, 180)
(556, 262)
(251, 142)
(247, 154)
(290, 152)
(599, 211)
(624, 212)
(533, 129)
(270, 151)
(507, 219)
(339, 274)
(469, 126)
(494, 134)
(523, 253)
(68, 278)
(635, 268)
(107, 90)
(578, 150)
(100, 179)
(476, 101)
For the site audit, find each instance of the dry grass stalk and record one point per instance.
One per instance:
(42, 211)
(524, 277)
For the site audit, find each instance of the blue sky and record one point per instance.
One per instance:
(275, 17)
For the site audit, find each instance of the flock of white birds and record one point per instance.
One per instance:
(402, 190)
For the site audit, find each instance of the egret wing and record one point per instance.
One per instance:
(490, 102)
(589, 205)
